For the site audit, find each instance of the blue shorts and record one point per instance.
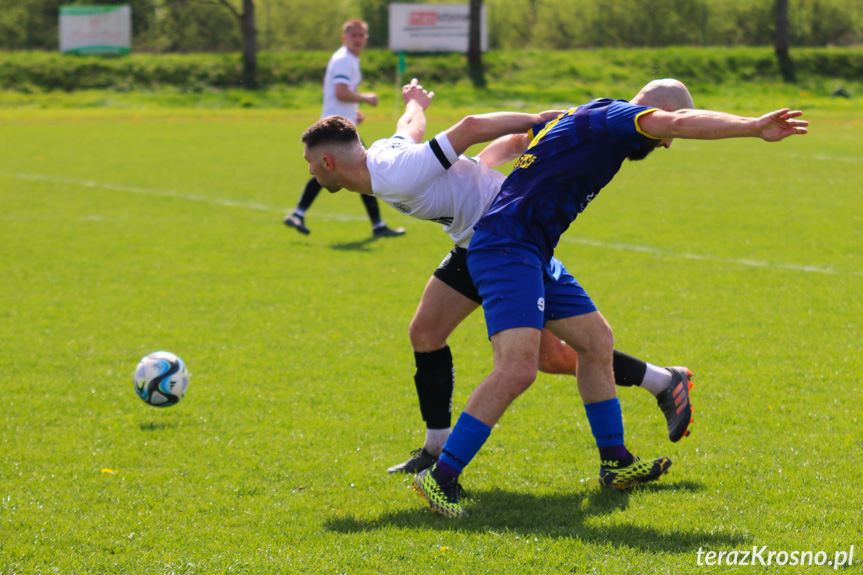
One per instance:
(518, 288)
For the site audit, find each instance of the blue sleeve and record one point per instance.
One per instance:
(622, 122)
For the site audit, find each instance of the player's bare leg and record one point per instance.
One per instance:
(592, 337)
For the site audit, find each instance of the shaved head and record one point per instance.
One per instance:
(666, 94)
(331, 131)
(335, 153)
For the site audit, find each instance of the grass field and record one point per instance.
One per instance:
(125, 231)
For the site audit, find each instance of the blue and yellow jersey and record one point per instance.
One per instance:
(570, 159)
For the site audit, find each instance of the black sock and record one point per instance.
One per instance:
(435, 380)
(617, 453)
(311, 192)
(372, 208)
(628, 370)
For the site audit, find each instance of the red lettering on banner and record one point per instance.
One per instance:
(422, 18)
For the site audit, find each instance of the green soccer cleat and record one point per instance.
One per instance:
(442, 497)
(675, 405)
(420, 460)
(639, 471)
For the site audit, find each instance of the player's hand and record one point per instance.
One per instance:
(360, 118)
(414, 92)
(370, 99)
(780, 124)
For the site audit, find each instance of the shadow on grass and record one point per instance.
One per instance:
(153, 426)
(562, 515)
(359, 246)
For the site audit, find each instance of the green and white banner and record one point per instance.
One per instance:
(86, 29)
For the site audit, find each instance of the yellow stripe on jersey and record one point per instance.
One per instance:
(638, 128)
(535, 139)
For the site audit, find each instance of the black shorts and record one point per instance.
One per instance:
(453, 272)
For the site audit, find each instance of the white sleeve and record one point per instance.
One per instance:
(403, 166)
(443, 150)
(342, 72)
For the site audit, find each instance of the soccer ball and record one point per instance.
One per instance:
(161, 379)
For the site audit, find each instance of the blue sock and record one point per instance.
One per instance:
(466, 439)
(606, 423)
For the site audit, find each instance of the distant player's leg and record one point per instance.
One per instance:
(297, 219)
(379, 228)
(669, 385)
(449, 297)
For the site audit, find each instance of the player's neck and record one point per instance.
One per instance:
(365, 178)
(357, 176)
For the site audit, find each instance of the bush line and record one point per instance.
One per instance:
(43, 71)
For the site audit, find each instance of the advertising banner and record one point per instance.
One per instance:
(433, 28)
(86, 29)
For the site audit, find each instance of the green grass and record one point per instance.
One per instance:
(128, 231)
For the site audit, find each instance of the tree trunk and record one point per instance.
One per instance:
(781, 42)
(474, 50)
(250, 45)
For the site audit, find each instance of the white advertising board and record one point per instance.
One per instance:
(96, 29)
(433, 28)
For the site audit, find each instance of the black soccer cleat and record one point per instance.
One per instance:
(298, 223)
(419, 461)
(387, 232)
(674, 403)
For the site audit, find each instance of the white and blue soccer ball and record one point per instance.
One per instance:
(161, 379)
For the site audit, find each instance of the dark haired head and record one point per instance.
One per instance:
(330, 130)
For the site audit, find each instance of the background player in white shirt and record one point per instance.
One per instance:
(342, 79)
(434, 181)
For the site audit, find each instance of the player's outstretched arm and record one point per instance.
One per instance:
(412, 124)
(481, 128)
(711, 125)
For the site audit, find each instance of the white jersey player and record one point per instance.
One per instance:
(343, 69)
(341, 82)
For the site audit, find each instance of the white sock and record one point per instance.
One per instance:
(656, 379)
(435, 438)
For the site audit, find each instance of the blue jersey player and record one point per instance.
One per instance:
(523, 289)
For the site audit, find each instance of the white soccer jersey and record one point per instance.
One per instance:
(430, 182)
(343, 68)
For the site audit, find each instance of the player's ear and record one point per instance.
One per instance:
(328, 161)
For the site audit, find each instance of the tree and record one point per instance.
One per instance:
(781, 41)
(195, 26)
(250, 40)
(474, 49)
